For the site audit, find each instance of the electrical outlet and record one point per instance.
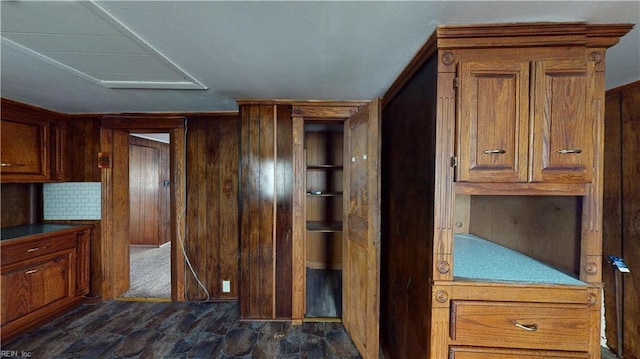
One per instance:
(226, 286)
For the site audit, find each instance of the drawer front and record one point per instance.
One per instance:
(520, 325)
(497, 353)
(12, 253)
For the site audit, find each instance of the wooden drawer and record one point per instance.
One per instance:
(497, 353)
(520, 325)
(15, 252)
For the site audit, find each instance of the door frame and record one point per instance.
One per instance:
(113, 212)
(338, 112)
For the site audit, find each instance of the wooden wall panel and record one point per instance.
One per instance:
(284, 211)
(83, 145)
(266, 216)
(408, 152)
(622, 213)
(212, 205)
(547, 228)
(21, 204)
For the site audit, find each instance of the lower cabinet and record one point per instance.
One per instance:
(41, 278)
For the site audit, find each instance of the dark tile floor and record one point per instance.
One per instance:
(121, 329)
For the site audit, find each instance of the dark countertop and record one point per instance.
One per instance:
(35, 229)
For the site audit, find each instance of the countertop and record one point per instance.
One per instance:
(37, 229)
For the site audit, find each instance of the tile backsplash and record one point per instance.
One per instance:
(72, 200)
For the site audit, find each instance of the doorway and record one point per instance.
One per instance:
(149, 216)
(115, 246)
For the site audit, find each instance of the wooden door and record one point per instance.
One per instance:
(144, 192)
(492, 121)
(563, 121)
(361, 244)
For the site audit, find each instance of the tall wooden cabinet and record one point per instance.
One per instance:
(492, 194)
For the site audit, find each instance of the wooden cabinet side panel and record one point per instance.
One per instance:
(407, 222)
(630, 106)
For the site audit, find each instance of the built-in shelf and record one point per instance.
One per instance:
(324, 167)
(324, 226)
(323, 194)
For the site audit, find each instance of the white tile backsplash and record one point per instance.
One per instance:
(72, 200)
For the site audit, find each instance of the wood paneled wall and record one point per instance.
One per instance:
(212, 205)
(408, 159)
(621, 218)
(161, 193)
(83, 145)
(266, 200)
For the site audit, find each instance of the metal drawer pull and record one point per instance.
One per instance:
(33, 249)
(31, 271)
(527, 327)
(496, 151)
(12, 165)
(564, 152)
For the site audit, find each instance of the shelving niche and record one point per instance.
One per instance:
(323, 143)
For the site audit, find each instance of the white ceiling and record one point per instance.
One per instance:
(325, 50)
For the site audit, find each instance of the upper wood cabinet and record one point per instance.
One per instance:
(526, 121)
(25, 150)
(33, 144)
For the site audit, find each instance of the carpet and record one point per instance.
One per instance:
(150, 272)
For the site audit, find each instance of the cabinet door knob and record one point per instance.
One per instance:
(527, 327)
(564, 152)
(496, 151)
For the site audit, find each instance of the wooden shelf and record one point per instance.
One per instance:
(324, 226)
(324, 167)
(324, 194)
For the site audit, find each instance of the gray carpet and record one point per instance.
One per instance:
(150, 272)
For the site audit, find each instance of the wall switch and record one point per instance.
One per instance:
(226, 286)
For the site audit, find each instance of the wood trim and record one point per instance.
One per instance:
(217, 114)
(337, 112)
(177, 154)
(623, 88)
(315, 103)
(299, 229)
(142, 123)
(425, 52)
(522, 189)
(33, 111)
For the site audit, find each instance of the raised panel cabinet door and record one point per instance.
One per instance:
(361, 244)
(492, 121)
(37, 284)
(563, 121)
(24, 150)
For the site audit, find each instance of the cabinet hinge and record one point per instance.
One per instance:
(455, 83)
(454, 161)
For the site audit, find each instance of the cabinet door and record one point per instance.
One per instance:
(37, 284)
(361, 244)
(563, 121)
(492, 121)
(25, 150)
